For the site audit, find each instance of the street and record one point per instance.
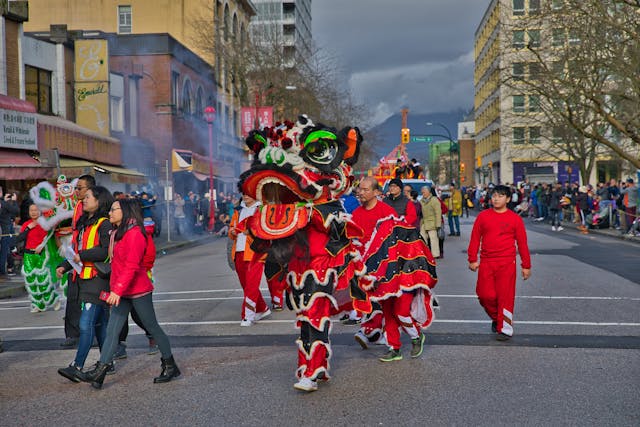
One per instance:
(574, 358)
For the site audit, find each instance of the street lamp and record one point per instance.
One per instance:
(263, 95)
(210, 116)
(450, 149)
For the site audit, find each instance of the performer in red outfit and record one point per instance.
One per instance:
(495, 233)
(367, 216)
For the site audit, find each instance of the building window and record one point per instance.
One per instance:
(518, 39)
(518, 70)
(557, 4)
(518, 135)
(557, 37)
(175, 77)
(534, 38)
(574, 37)
(534, 71)
(124, 19)
(518, 7)
(186, 98)
(38, 88)
(116, 104)
(534, 135)
(518, 103)
(534, 103)
(557, 68)
(534, 7)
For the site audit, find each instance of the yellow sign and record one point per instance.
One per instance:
(92, 85)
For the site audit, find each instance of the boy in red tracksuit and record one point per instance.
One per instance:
(498, 230)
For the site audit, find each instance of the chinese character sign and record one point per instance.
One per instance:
(248, 118)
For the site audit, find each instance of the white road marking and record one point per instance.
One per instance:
(291, 321)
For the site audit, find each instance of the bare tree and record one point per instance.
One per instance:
(583, 61)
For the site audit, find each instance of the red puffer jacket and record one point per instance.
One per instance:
(128, 267)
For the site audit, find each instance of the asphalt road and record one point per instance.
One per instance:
(574, 360)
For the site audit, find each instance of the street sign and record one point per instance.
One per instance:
(421, 138)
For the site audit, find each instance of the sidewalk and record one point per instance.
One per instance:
(13, 286)
(611, 232)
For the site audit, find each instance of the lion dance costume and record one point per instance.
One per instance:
(39, 270)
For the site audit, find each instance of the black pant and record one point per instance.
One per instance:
(72, 311)
(125, 329)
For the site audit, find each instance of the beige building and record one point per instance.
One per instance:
(512, 135)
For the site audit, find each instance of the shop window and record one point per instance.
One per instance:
(38, 88)
(124, 19)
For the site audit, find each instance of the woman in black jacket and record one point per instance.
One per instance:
(91, 244)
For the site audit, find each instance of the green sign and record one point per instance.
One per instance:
(421, 138)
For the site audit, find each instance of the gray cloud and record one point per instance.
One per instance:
(403, 53)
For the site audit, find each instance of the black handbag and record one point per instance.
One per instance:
(103, 268)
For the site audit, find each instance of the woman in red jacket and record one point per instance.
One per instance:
(131, 259)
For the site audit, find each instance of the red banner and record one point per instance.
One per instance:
(248, 118)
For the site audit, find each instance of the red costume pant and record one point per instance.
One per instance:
(276, 290)
(371, 325)
(397, 314)
(250, 274)
(496, 291)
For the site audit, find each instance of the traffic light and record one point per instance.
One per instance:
(406, 135)
(461, 167)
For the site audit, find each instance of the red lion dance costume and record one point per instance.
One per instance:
(299, 173)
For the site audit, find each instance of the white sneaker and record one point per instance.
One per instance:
(246, 322)
(306, 384)
(362, 340)
(560, 228)
(262, 315)
(382, 340)
(553, 228)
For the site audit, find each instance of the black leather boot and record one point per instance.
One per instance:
(169, 370)
(96, 375)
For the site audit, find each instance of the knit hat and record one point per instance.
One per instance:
(396, 181)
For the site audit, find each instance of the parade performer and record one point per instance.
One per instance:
(495, 233)
(55, 206)
(400, 273)
(38, 270)
(299, 173)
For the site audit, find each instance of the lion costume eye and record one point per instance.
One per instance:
(323, 149)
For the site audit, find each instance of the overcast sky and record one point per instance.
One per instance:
(403, 53)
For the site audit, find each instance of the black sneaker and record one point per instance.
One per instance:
(417, 345)
(111, 369)
(72, 373)
(69, 343)
(503, 337)
(391, 355)
(494, 326)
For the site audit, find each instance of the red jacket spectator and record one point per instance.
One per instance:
(130, 264)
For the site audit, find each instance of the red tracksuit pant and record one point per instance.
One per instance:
(250, 274)
(496, 291)
(397, 314)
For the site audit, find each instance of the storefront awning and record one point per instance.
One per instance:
(77, 167)
(18, 165)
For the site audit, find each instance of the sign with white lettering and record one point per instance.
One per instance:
(18, 130)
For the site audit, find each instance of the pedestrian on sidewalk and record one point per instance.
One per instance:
(582, 204)
(629, 196)
(495, 234)
(130, 287)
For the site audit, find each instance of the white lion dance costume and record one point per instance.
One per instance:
(39, 270)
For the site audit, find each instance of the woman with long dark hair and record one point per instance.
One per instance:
(131, 259)
(91, 244)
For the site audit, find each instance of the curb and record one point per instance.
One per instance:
(14, 287)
